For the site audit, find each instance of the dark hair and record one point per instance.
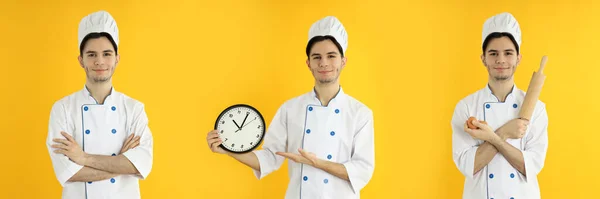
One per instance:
(316, 39)
(96, 35)
(499, 35)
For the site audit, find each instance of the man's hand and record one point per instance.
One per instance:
(304, 157)
(484, 132)
(130, 143)
(214, 141)
(514, 129)
(69, 148)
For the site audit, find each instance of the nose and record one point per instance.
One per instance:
(501, 59)
(323, 63)
(99, 61)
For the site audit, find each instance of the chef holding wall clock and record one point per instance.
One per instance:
(327, 134)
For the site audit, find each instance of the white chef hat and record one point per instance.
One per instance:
(503, 22)
(97, 22)
(330, 26)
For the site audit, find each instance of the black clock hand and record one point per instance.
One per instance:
(236, 124)
(245, 120)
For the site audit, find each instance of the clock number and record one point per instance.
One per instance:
(221, 131)
(222, 121)
(257, 135)
(225, 140)
(239, 111)
(247, 113)
(242, 146)
(230, 115)
(251, 143)
(259, 126)
(232, 145)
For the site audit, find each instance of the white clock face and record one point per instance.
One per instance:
(241, 128)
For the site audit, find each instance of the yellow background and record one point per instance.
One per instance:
(410, 62)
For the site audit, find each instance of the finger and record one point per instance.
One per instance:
(466, 127)
(213, 146)
(60, 146)
(63, 141)
(303, 153)
(128, 139)
(60, 151)
(212, 135)
(213, 140)
(478, 124)
(66, 135)
(213, 132)
(134, 144)
(129, 143)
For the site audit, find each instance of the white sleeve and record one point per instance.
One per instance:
(536, 143)
(141, 156)
(463, 145)
(275, 141)
(362, 163)
(64, 168)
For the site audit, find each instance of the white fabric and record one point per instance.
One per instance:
(350, 144)
(503, 22)
(499, 179)
(330, 26)
(79, 112)
(98, 22)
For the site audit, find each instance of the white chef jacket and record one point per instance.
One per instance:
(100, 129)
(498, 179)
(341, 132)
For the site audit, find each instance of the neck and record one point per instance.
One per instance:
(326, 92)
(99, 90)
(502, 88)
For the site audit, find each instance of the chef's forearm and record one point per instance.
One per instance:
(114, 164)
(249, 159)
(512, 154)
(88, 174)
(333, 168)
(484, 154)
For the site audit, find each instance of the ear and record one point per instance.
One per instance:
(518, 59)
(308, 63)
(344, 60)
(80, 59)
(483, 59)
(118, 59)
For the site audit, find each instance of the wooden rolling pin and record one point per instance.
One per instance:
(533, 92)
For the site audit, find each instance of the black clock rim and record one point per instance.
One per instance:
(262, 121)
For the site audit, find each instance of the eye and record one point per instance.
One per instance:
(493, 54)
(91, 55)
(107, 54)
(316, 57)
(331, 56)
(509, 53)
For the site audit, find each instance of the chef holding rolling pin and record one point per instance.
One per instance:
(499, 133)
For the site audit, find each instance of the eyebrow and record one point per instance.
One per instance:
(506, 50)
(329, 53)
(91, 51)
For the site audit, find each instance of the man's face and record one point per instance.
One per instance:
(325, 62)
(99, 59)
(501, 58)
